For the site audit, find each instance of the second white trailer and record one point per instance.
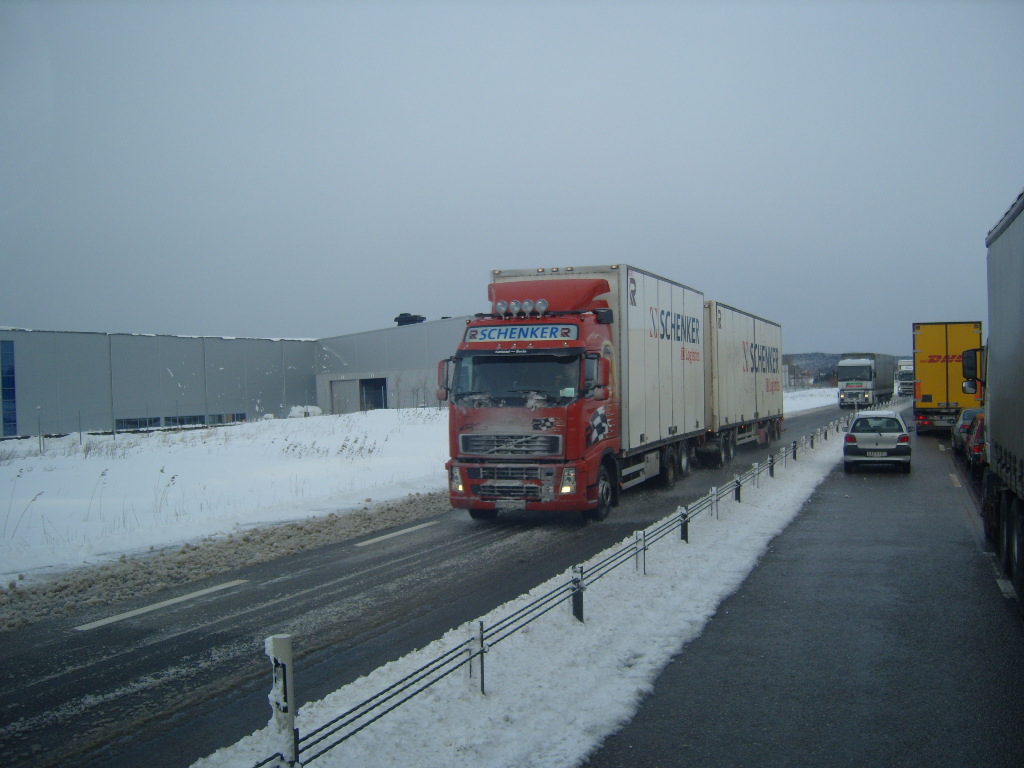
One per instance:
(743, 380)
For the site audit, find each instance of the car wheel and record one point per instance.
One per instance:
(848, 467)
(906, 468)
(1017, 545)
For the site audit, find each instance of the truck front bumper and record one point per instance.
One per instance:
(519, 487)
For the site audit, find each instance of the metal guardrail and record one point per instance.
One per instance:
(303, 750)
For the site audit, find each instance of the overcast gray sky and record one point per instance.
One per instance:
(310, 169)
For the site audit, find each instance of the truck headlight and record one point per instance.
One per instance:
(568, 480)
(455, 479)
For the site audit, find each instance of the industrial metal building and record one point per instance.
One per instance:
(389, 368)
(57, 382)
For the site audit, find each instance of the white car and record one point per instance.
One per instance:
(877, 437)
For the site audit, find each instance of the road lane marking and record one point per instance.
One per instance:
(397, 533)
(156, 606)
(955, 479)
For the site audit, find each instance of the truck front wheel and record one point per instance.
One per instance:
(605, 494)
(483, 514)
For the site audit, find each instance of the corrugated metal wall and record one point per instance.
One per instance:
(94, 381)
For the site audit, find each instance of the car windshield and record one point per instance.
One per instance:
(491, 381)
(883, 424)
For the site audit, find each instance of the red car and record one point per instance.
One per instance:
(974, 446)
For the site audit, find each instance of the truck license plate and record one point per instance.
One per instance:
(877, 454)
(510, 504)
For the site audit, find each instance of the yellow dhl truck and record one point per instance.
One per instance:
(938, 372)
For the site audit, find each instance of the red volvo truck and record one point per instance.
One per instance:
(584, 381)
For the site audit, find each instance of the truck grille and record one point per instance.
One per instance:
(505, 472)
(499, 491)
(511, 445)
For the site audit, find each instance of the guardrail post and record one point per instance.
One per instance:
(713, 493)
(794, 450)
(577, 593)
(812, 440)
(738, 494)
(640, 545)
(684, 525)
(771, 465)
(285, 736)
(482, 649)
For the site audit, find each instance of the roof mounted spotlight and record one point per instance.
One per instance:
(528, 306)
(501, 307)
(541, 306)
(515, 306)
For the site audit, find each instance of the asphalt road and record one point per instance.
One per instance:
(169, 685)
(875, 632)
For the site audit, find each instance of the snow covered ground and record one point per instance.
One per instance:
(553, 691)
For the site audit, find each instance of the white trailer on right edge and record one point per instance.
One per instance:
(743, 380)
(1001, 373)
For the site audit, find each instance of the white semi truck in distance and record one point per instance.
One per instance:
(865, 379)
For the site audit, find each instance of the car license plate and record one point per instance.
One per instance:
(877, 454)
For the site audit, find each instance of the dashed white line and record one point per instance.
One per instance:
(955, 479)
(156, 606)
(397, 533)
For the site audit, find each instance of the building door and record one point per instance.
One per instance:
(344, 396)
(373, 394)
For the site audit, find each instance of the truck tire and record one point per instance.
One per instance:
(730, 446)
(1016, 527)
(605, 496)
(669, 467)
(1004, 549)
(684, 460)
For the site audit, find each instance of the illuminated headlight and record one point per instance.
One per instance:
(455, 479)
(501, 307)
(568, 480)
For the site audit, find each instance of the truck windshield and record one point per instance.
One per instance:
(905, 375)
(855, 373)
(533, 381)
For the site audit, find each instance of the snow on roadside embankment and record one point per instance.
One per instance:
(94, 519)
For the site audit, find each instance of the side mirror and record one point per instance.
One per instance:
(970, 387)
(442, 379)
(973, 365)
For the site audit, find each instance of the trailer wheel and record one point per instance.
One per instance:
(483, 514)
(722, 458)
(1004, 548)
(605, 494)
(669, 467)
(730, 446)
(1017, 545)
(684, 460)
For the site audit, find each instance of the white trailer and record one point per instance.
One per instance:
(743, 380)
(1001, 372)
